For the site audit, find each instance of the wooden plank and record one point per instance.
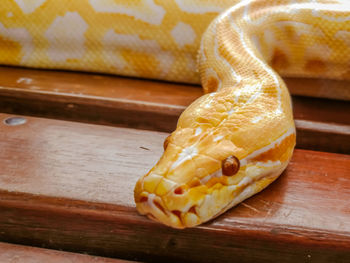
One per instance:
(151, 105)
(70, 186)
(10, 253)
(309, 87)
(94, 98)
(330, 137)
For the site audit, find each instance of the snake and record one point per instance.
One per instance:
(236, 139)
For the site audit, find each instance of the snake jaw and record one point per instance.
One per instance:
(165, 201)
(182, 205)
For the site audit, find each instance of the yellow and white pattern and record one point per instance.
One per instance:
(109, 36)
(246, 113)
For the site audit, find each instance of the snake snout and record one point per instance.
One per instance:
(167, 203)
(175, 218)
(185, 204)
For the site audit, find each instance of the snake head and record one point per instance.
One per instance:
(203, 172)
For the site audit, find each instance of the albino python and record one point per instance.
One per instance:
(237, 138)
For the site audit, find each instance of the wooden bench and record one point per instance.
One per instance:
(10, 253)
(68, 172)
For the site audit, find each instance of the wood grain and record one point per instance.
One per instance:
(310, 87)
(329, 137)
(69, 186)
(151, 105)
(10, 253)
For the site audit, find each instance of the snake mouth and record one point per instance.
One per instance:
(186, 206)
(157, 208)
(186, 212)
(154, 208)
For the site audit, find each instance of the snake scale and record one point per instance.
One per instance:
(237, 138)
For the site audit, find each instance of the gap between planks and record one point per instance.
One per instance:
(155, 105)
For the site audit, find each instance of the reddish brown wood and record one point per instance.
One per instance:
(94, 98)
(70, 186)
(10, 253)
(321, 87)
(150, 105)
(96, 86)
(329, 137)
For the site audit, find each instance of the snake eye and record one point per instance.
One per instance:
(230, 165)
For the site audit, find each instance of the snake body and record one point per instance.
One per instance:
(237, 138)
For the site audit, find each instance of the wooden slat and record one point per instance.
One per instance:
(152, 105)
(93, 98)
(339, 88)
(10, 253)
(70, 186)
(330, 137)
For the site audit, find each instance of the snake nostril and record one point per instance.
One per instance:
(143, 199)
(179, 190)
(230, 165)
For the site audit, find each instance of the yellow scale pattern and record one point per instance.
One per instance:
(108, 36)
